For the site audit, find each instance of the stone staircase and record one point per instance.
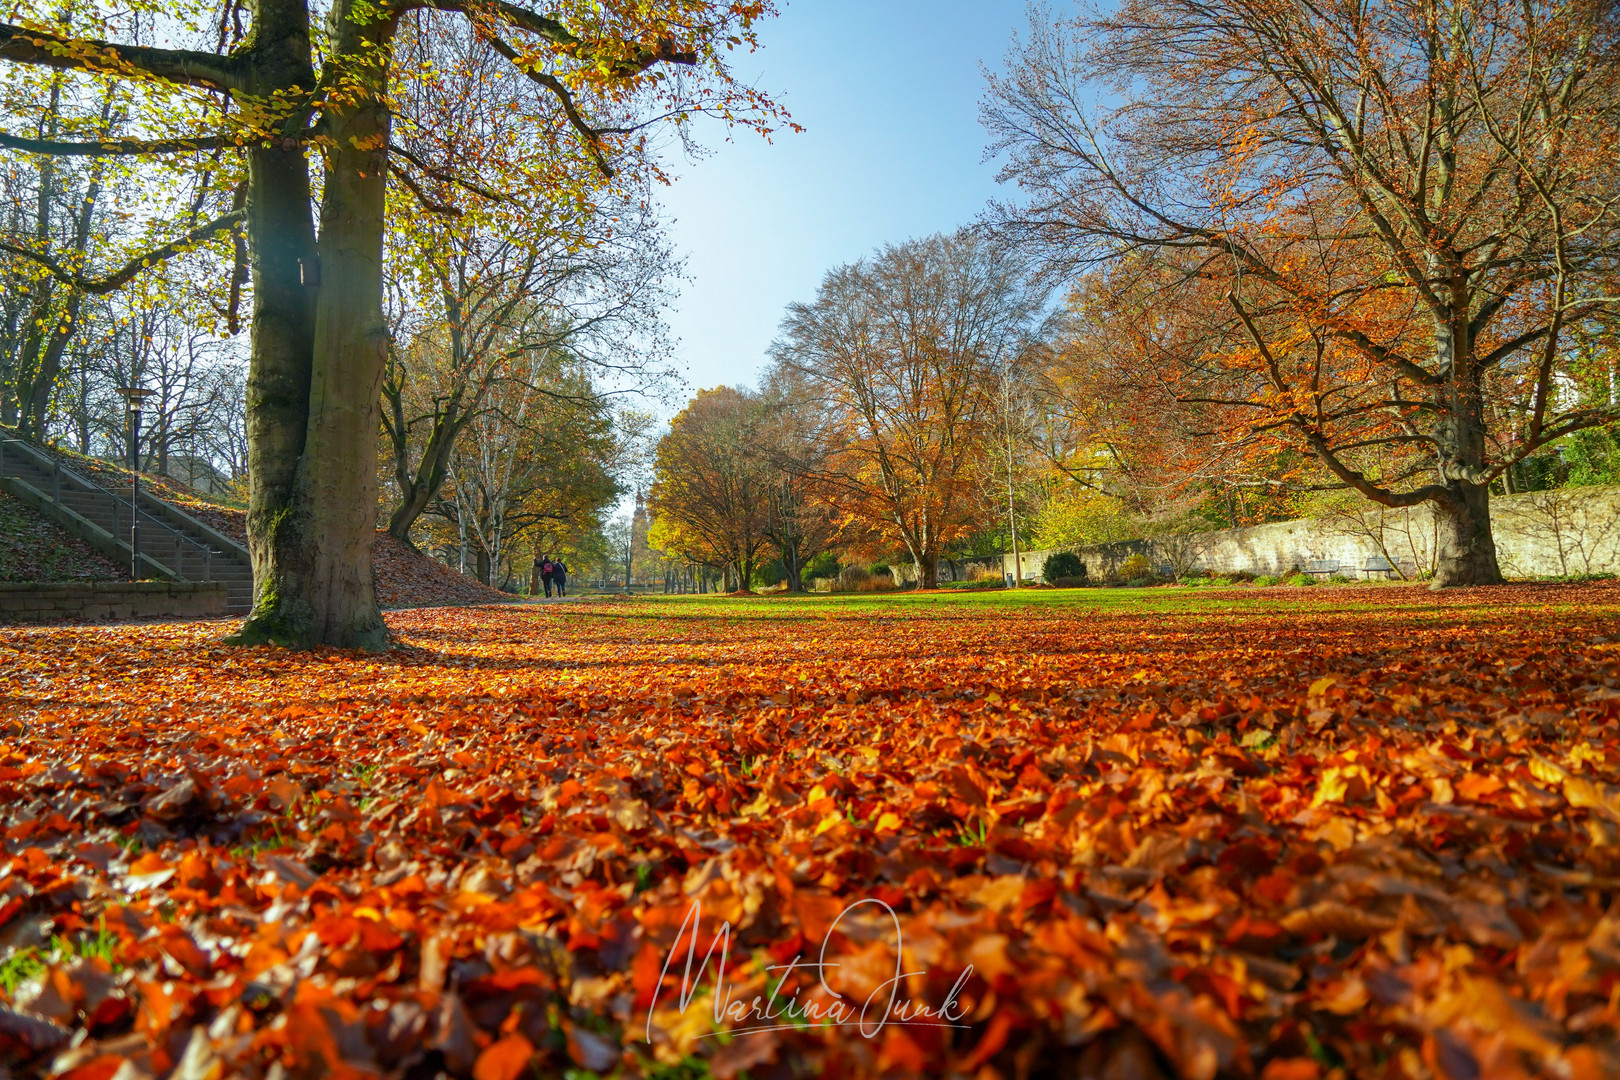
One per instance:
(174, 545)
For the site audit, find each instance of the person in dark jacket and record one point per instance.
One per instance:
(559, 577)
(548, 571)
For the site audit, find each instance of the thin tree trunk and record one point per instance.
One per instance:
(420, 487)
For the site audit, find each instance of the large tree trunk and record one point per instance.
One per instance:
(924, 558)
(351, 342)
(282, 236)
(928, 570)
(1466, 552)
(318, 351)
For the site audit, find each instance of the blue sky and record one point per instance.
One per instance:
(888, 91)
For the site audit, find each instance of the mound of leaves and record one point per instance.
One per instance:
(407, 578)
(1365, 833)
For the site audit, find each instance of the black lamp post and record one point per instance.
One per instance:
(135, 395)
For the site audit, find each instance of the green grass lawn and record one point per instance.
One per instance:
(1122, 601)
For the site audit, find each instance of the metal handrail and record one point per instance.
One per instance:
(90, 487)
(208, 553)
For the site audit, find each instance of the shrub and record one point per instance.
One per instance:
(1342, 579)
(1142, 582)
(851, 578)
(877, 583)
(985, 573)
(1137, 566)
(1068, 582)
(824, 565)
(1202, 581)
(1240, 577)
(1265, 579)
(1298, 578)
(1061, 566)
(881, 570)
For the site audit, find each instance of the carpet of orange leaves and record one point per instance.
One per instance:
(1351, 833)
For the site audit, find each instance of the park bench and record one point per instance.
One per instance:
(1322, 567)
(1377, 564)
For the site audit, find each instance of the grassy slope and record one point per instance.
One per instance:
(34, 549)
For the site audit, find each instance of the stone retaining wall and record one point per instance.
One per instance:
(100, 601)
(1539, 534)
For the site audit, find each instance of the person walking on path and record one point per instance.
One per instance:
(548, 573)
(559, 575)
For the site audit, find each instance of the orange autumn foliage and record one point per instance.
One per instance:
(1381, 236)
(1338, 831)
(900, 359)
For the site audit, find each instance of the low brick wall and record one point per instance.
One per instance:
(100, 601)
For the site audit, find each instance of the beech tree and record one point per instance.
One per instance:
(52, 209)
(902, 354)
(259, 85)
(711, 490)
(1381, 219)
(475, 283)
(797, 522)
(530, 462)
